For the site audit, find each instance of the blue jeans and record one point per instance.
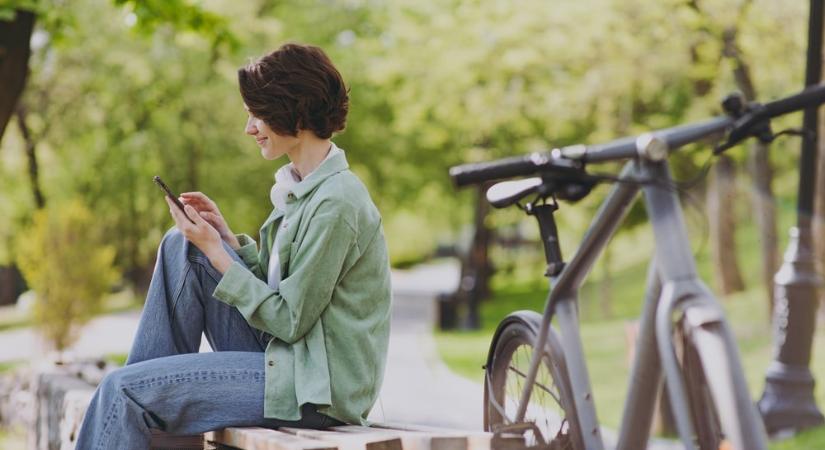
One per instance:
(166, 384)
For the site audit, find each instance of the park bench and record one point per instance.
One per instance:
(348, 437)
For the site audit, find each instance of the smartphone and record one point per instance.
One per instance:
(171, 195)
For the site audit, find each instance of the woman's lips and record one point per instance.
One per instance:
(261, 141)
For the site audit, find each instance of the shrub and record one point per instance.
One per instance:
(64, 262)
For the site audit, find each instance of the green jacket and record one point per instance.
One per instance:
(330, 317)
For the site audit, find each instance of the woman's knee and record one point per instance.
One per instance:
(173, 236)
(112, 384)
(173, 243)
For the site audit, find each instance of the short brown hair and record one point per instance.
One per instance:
(296, 88)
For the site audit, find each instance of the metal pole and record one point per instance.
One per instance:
(788, 402)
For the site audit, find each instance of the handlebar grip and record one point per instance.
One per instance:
(812, 96)
(493, 170)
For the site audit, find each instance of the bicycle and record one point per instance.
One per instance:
(684, 339)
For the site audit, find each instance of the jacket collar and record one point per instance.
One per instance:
(329, 167)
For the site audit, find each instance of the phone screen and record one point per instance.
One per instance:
(171, 195)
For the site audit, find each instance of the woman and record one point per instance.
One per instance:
(299, 328)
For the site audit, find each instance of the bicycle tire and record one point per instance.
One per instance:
(720, 420)
(507, 365)
(703, 412)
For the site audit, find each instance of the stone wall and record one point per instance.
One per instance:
(50, 401)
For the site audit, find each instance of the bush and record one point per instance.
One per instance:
(64, 262)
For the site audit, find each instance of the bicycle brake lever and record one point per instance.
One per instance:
(749, 123)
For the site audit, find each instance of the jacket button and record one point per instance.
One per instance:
(271, 363)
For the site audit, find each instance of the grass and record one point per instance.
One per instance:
(12, 317)
(8, 366)
(808, 439)
(606, 355)
(604, 323)
(13, 438)
(118, 359)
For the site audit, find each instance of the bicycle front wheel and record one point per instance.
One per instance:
(550, 406)
(723, 414)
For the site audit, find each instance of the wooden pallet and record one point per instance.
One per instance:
(350, 437)
(163, 441)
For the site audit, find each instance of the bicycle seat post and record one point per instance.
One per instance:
(549, 235)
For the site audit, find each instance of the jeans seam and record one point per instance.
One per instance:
(176, 298)
(198, 375)
(110, 418)
(207, 267)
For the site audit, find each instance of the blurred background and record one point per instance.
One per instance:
(100, 95)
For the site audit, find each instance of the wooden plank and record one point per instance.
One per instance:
(476, 440)
(161, 440)
(415, 440)
(266, 439)
(348, 441)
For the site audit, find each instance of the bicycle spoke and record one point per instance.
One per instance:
(542, 386)
(545, 422)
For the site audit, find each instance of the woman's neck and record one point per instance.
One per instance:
(308, 153)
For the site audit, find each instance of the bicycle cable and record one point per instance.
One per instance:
(684, 187)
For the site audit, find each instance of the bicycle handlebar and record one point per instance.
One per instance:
(654, 145)
(511, 167)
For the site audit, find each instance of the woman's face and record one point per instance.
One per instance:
(272, 145)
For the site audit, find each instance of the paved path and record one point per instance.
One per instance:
(418, 387)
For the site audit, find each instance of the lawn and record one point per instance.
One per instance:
(13, 438)
(604, 323)
(12, 317)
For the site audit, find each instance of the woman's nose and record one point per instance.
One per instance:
(250, 127)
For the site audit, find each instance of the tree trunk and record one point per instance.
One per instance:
(759, 166)
(11, 284)
(764, 208)
(31, 156)
(476, 268)
(14, 62)
(819, 205)
(722, 215)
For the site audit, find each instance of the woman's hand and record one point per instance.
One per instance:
(202, 234)
(207, 209)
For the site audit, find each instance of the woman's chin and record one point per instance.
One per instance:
(270, 155)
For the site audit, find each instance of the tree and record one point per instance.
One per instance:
(68, 267)
(15, 33)
(17, 19)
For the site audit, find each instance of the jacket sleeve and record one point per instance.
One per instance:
(289, 313)
(248, 252)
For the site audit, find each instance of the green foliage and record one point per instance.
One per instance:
(63, 259)
(121, 90)
(8, 7)
(146, 15)
(182, 15)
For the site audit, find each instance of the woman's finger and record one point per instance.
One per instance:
(192, 213)
(198, 203)
(175, 212)
(201, 197)
(210, 217)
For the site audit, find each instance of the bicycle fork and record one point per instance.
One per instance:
(705, 325)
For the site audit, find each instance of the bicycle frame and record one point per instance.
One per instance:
(673, 285)
(672, 281)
